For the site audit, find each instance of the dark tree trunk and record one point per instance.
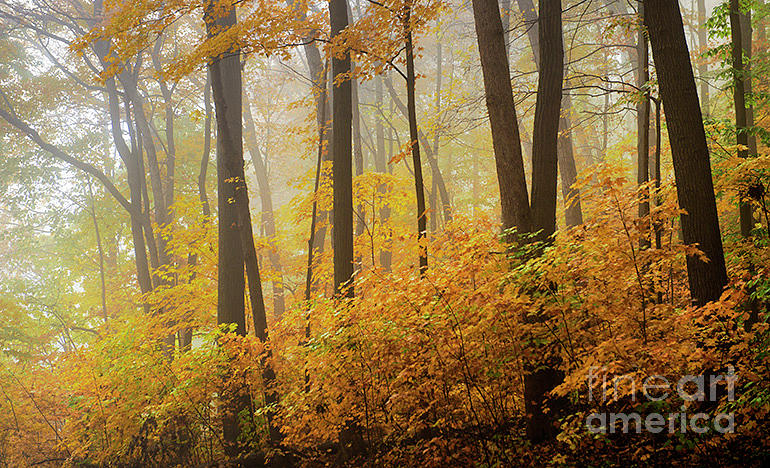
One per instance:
(573, 211)
(692, 167)
(643, 126)
(506, 140)
(236, 243)
(322, 131)
(342, 170)
(415, 144)
(547, 114)
(432, 161)
(542, 374)
(186, 335)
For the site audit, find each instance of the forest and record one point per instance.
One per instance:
(384, 233)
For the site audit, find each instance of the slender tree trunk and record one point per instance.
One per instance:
(503, 121)
(740, 25)
(527, 8)
(342, 171)
(322, 130)
(739, 99)
(186, 335)
(100, 249)
(573, 210)
(236, 244)
(358, 157)
(381, 163)
(703, 66)
(658, 138)
(268, 213)
(692, 167)
(415, 144)
(643, 126)
(432, 161)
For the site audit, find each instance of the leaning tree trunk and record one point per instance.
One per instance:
(268, 213)
(689, 150)
(506, 141)
(342, 168)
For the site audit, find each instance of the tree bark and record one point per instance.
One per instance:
(547, 114)
(692, 166)
(415, 144)
(703, 66)
(342, 170)
(643, 127)
(503, 121)
(573, 211)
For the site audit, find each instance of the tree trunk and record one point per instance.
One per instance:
(415, 145)
(573, 211)
(236, 246)
(381, 163)
(506, 141)
(266, 200)
(358, 157)
(542, 374)
(547, 114)
(643, 127)
(692, 167)
(342, 170)
(322, 131)
(432, 161)
(703, 66)
(740, 27)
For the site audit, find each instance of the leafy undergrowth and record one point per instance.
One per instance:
(428, 371)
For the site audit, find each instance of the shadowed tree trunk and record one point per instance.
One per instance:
(643, 126)
(547, 115)
(542, 374)
(186, 335)
(432, 161)
(236, 243)
(415, 144)
(226, 87)
(502, 118)
(692, 167)
(740, 27)
(266, 200)
(573, 211)
(342, 170)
